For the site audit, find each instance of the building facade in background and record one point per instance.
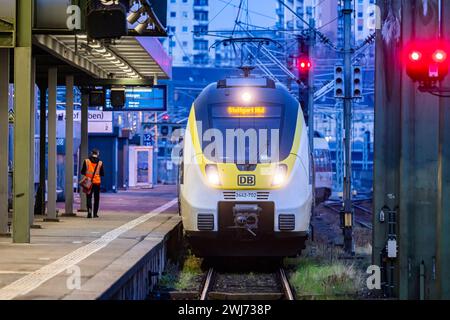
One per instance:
(327, 17)
(186, 21)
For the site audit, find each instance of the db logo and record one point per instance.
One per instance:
(246, 180)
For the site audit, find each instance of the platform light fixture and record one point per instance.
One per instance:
(134, 16)
(109, 55)
(141, 27)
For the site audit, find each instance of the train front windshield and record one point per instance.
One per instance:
(258, 133)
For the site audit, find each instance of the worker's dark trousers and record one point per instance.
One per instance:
(96, 193)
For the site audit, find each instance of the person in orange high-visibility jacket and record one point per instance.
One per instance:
(93, 169)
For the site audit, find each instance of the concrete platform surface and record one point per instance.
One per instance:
(79, 258)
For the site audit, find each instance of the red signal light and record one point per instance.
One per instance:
(426, 60)
(165, 117)
(304, 64)
(439, 56)
(415, 55)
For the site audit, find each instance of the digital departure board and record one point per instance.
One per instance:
(152, 98)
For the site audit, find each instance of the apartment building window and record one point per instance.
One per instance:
(185, 29)
(290, 25)
(201, 15)
(173, 14)
(200, 2)
(200, 44)
(200, 59)
(185, 43)
(200, 29)
(309, 10)
(185, 14)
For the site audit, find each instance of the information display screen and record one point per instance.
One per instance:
(142, 99)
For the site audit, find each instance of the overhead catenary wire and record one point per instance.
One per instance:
(237, 17)
(220, 11)
(324, 39)
(182, 48)
(252, 11)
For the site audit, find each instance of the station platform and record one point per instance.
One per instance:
(117, 256)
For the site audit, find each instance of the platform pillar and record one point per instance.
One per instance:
(32, 138)
(40, 207)
(4, 139)
(22, 126)
(51, 203)
(84, 142)
(68, 190)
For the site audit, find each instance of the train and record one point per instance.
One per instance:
(323, 169)
(235, 197)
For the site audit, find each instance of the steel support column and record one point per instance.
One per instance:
(32, 138)
(411, 175)
(387, 144)
(4, 138)
(443, 214)
(84, 142)
(22, 125)
(347, 211)
(68, 190)
(40, 208)
(51, 203)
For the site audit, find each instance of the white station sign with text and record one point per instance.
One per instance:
(98, 121)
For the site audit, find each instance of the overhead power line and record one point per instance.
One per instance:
(252, 11)
(324, 39)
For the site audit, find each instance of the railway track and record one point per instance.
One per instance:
(247, 286)
(363, 224)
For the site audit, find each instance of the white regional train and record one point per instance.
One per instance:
(239, 199)
(323, 169)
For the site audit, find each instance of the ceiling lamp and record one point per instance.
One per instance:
(141, 27)
(134, 16)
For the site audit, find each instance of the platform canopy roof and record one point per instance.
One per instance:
(133, 58)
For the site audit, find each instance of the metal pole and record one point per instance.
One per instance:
(22, 132)
(68, 190)
(155, 151)
(443, 214)
(51, 203)
(84, 143)
(312, 43)
(347, 205)
(4, 139)
(32, 138)
(140, 128)
(42, 147)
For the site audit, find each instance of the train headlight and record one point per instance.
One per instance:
(212, 173)
(246, 97)
(280, 175)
